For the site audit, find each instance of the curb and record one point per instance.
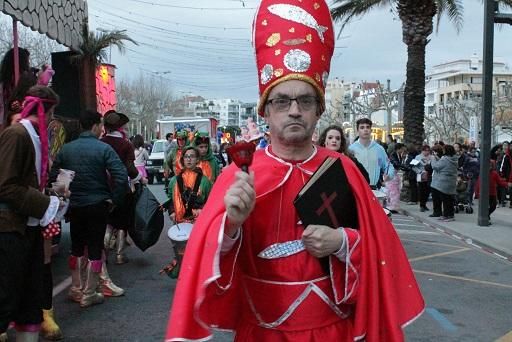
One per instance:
(465, 239)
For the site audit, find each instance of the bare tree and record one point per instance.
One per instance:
(144, 99)
(450, 122)
(39, 45)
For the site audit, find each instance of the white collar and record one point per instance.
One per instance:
(115, 134)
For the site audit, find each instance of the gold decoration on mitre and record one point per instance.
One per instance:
(273, 39)
(293, 42)
(309, 38)
(323, 58)
(292, 30)
(316, 6)
(278, 52)
(264, 22)
(317, 77)
(278, 72)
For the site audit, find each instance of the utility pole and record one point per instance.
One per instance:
(491, 16)
(390, 114)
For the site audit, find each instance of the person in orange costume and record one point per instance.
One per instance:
(250, 265)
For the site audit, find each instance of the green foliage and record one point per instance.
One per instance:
(95, 43)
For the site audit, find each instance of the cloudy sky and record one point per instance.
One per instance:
(203, 47)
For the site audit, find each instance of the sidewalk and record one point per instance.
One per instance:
(496, 238)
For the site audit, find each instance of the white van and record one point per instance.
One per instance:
(155, 163)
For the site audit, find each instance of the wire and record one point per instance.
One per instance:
(177, 23)
(196, 8)
(191, 35)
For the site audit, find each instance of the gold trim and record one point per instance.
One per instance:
(300, 77)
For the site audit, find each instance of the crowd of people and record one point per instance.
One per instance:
(46, 179)
(449, 174)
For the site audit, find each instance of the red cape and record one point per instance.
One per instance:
(388, 299)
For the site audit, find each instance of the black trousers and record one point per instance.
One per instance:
(424, 192)
(88, 225)
(493, 203)
(443, 203)
(21, 277)
(413, 190)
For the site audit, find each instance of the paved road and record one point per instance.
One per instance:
(468, 292)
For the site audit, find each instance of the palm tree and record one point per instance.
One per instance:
(417, 18)
(93, 53)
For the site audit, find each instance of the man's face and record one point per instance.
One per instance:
(457, 148)
(425, 153)
(203, 149)
(364, 130)
(294, 125)
(190, 159)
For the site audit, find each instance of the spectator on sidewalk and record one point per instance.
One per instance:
(423, 170)
(505, 171)
(372, 155)
(459, 151)
(333, 138)
(444, 180)
(494, 181)
(397, 159)
(412, 152)
(470, 172)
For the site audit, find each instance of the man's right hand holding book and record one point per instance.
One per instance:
(321, 241)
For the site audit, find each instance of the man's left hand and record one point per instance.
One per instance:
(321, 241)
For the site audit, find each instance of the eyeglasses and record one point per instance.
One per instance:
(189, 157)
(305, 102)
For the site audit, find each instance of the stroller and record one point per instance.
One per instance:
(461, 198)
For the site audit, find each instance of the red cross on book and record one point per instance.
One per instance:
(327, 198)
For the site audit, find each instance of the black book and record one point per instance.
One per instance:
(327, 198)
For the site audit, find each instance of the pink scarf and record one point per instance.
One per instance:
(29, 104)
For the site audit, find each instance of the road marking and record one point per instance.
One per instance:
(505, 338)
(481, 282)
(61, 286)
(403, 220)
(431, 243)
(439, 254)
(441, 319)
(419, 232)
(408, 225)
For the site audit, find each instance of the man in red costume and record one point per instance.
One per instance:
(250, 265)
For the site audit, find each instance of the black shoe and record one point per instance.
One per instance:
(394, 211)
(434, 215)
(426, 208)
(422, 209)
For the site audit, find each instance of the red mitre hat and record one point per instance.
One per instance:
(294, 40)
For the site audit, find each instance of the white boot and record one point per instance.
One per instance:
(107, 286)
(121, 245)
(75, 291)
(90, 296)
(109, 239)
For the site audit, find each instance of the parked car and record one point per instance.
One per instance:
(155, 163)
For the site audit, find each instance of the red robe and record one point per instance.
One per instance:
(374, 286)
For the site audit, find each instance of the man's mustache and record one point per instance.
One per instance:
(295, 122)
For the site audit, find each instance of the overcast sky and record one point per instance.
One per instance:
(202, 49)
